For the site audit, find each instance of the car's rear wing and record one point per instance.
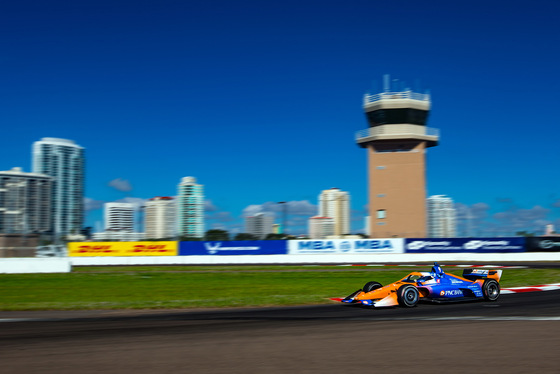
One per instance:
(474, 274)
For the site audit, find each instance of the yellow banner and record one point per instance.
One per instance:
(92, 249)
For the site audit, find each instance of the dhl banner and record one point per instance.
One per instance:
(92, 249)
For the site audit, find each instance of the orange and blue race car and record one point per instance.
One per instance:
(435, 286)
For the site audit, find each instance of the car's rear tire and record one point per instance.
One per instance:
(491, 290)
(408, 296)
(370, 286)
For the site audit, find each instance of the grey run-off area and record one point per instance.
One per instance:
(517, 334)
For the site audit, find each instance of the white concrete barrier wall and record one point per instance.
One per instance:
(35, 265)
(64, 265)
(319, 259)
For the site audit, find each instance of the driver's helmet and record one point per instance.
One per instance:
(437, 271)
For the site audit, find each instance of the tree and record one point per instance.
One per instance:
(524, 233)
(245, 236)
(216, 235)
(275, 237)
(184, 238)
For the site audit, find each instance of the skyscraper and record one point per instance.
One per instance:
(160, 218)
(335, 204)
(442, 217)
(25, 202)
(396, 143)
(259, 225)
(63, 160)
(320, 227)
(190, 208)
(119, 217)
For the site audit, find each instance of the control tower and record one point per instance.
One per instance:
(396, 143)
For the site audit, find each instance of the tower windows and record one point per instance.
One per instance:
(393, 116)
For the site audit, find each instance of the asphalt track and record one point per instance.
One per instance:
(520, 333)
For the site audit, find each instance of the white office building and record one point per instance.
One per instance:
(335, 204)
(259, 225)
(321, 227)
(25, 202)
(190, 208)
(367, 229)
(442, 217)
(119, 217)
(159, 218)
(118, 236)
(63, 160)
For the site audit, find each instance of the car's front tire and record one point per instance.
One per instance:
(370, 286)
(491, 290)
(408, 296)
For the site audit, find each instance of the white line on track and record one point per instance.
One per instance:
(25, 320)
(463, 318)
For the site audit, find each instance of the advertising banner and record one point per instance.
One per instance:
(455, 245)
(543, 244)
(345, 246)
(92, 249)
(235, 247)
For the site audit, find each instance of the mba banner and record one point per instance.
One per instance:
(471, 245)
(116, 249)
(232, 248)
(326, 246)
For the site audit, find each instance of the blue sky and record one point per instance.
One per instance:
(260, 100)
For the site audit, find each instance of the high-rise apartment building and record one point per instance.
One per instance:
(190, 208)
(25, 202)
(396, 143)
(159, 218)
(321, 227)
(335, 204)
(259, 225)
(63, 160)
(119, 217)
(442, 217)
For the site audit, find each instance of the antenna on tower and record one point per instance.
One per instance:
(386, 82)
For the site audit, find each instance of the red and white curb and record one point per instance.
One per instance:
(424, 265)
(541, 287)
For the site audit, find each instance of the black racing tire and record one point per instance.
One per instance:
(408, 296)
(370, 286)
(491, 290)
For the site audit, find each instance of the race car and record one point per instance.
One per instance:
(435, 286)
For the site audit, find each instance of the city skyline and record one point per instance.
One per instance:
(249, 99)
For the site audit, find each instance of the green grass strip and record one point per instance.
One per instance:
(162, 287)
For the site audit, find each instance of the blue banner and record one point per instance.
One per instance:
(234, 248)
(472, 245)
(543, 244)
